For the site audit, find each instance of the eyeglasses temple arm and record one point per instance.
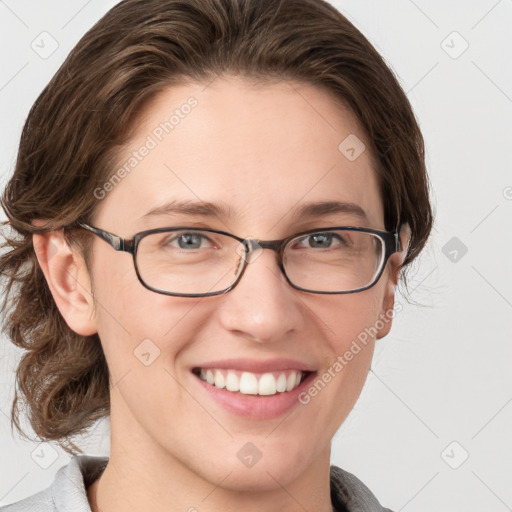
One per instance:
(398, 242)
(115, 241)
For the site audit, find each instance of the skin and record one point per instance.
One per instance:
(264, 150)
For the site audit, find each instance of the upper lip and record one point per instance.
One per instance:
(257, 366)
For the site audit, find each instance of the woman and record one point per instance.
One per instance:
(213, 201)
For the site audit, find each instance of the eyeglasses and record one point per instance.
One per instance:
(191, 262)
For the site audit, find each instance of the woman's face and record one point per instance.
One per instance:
(263, 152)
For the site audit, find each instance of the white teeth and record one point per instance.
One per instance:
(220, 381)
(281, 383)
(210, 377)
(267, 385)
(232, 382)
(249, 383)
(290, 382)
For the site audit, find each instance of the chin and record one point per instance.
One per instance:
(251, 469)
(260, 478)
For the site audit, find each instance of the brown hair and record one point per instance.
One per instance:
(86, 113)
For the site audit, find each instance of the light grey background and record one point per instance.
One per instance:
(440, 389)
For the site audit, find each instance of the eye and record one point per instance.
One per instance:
(324, 240)
(185, 240)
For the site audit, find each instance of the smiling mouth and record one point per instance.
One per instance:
(250, 383)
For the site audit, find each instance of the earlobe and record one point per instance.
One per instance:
(68, 279)
(385, 321)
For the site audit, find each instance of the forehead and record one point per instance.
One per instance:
(262, 153)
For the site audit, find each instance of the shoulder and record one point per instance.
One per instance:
(67, 493)
(349, 494)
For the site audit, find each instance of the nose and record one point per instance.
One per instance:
(263, 306)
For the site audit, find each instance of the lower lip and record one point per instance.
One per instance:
(257, 406)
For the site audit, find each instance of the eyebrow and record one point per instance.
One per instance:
(223, 210)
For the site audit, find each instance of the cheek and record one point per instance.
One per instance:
(350, 317)
(347, 348)
(350, 326)
(133, 321)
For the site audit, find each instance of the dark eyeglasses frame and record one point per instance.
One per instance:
(391, 240)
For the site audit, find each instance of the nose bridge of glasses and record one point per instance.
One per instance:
(255, 247)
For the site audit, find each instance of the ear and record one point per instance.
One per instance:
(391, 277)
(68, 279)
